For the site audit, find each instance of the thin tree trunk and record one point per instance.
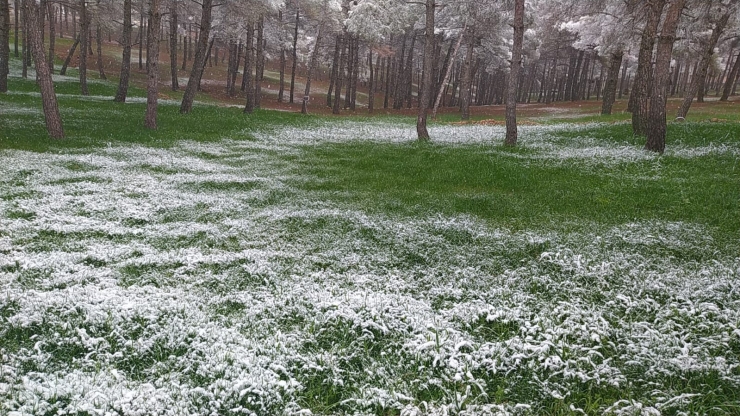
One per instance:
(48, 97)
(426, 83)
(247, 80)
(200, 58)
(70, 54)
(467, 78)
(334, 71)
(4, 45)
(25, 46)
(152, 63)
(175, 84)
(657, 114)
(624, 77)
(372, 81)
(141, 35)
(16, 20)
(260, 62)
(516, 63)
(281, 88)
(295, 54)
(122, 91)
(387, 91)
(701, 74)
(448, 71)
(99, 42)
(408, 82)
(185, 42)
(350, 71)
(731, 79)
(340, 75)
(610, 89)
(640, 97)
(84, 46)
(52, 34)
(311, 69)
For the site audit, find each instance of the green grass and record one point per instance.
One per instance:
(419, 179)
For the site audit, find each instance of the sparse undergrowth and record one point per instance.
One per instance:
(275, 264)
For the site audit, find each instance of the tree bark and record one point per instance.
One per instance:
(52, 116)
(467, 78)
(52, 34)
(122, 91)
(152, 64)
(448, 71)
(516, 63)
(640, 91)
(259, 62)
(334, 71)
(701, 74)
(16, 20)
(372, 81)
(84, 45)
(657, 114)
(70, 54)
(340, 75)
(99, 44)
(4, 45)
(175, 84)
(247, 80)
(141, 35)
(610, 90)
(731, 80)
(200, 58)
(311, 69)
(426, 83)
(295, 54)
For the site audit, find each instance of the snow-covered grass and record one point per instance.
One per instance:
(274, 265)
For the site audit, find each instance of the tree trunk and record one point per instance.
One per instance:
(260, 62)
(281, 88)
(387, 91)
(408, 82)
(334, 71)
(657, 114)
(610, 90)
(448, 71)
(640, 91)
(122, 91)
(426, 82)
(340, 76)
(311, 69)
(295, 55)
(141, 35)
(175, 84)
(350, 71)
(16, 20)
(701, 74)
(731, 80)
(152, 64)
(4, 45)
(247, 80)
(467, 78)
(48, 97)
(84, 46)
(624, 77)
(70, 54)
(52, 34)
(371, 87)
(200, 58)
(516, 63)
(185, 42)
(99, 49)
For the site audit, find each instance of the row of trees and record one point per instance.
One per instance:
(426, 53)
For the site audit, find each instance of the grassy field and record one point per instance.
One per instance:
(272, 264)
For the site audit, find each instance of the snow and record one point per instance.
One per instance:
(136, 287)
